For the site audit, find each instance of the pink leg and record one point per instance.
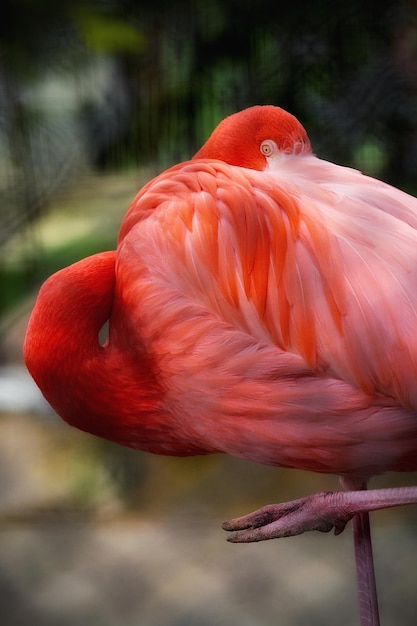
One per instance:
(324, 511)
(365, 571)
(321, 511)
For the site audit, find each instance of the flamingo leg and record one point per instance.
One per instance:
(321, 511)
(364, 561)
(365, 571)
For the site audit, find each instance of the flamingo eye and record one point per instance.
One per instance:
(267, 147)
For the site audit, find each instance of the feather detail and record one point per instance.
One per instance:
(303, 265)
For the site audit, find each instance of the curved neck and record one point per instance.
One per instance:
(99, 389)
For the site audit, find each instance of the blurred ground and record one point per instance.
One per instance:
(94, 534)
(74, 552)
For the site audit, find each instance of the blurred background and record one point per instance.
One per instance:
(96, 97)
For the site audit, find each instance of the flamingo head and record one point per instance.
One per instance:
(256, 137)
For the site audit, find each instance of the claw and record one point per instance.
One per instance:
(319, 512)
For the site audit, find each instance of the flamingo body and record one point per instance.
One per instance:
(261, 302)
(267, 313)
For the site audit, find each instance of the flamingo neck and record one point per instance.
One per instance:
(97, 388)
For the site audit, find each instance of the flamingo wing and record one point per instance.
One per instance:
(273, 316)
(367, 300)
(314, 258)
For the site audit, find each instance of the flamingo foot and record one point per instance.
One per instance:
(321, 511)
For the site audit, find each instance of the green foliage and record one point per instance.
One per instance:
(106, 33)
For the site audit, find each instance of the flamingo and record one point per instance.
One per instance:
(262, 302)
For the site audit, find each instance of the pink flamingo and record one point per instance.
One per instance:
(262, 302)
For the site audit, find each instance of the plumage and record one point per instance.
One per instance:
(276, 311)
